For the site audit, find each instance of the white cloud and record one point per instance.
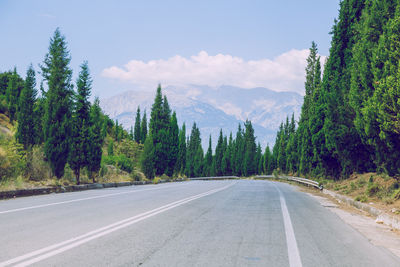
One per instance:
(283, 73)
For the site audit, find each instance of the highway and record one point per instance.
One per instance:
(195, 223)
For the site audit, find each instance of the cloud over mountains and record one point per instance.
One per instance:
(285, 72)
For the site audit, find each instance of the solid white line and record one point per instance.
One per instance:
(74, 242)
(83, 199)
(293, 250)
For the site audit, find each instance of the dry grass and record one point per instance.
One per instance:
(379, 190)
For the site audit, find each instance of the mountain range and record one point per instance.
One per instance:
(212, 109)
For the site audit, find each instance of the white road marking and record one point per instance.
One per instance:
(83, 199)
(293, 250)
(47, 252)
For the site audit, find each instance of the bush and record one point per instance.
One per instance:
(362, 198)
(137, 175)
(156, 180)
(396, 194)
(120, 161)
(36, 168)
(372, 189)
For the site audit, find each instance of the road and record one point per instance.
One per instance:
(197, 223)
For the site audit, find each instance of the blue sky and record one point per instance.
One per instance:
(130, 43)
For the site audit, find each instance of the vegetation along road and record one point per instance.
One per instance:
(197, 223)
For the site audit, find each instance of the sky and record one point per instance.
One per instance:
(138, 44)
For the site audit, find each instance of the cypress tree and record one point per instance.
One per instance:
(173, 143)
(57, 74)
(96, 139)
(208, 159)
(137, 134)
(249, 164)
(80, 141)
(219, 154)
(193, 165)
(143, 128)
(159, 123)
(26, 133)
(181, 160)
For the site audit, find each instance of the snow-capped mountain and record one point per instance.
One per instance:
(213, 108)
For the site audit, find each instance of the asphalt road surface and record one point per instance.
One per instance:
(197, 223)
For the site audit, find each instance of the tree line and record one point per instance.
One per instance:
(76, 134)
(168, 151)
(350, 117)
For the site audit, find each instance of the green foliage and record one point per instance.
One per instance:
(57, 74)
(14, 87)
(121, 161)
(147, 161)
(110, 147)
(361, 198)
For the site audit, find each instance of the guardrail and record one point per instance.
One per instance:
(296, 179)
(214, 178)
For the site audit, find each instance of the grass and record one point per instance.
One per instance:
(380, 189)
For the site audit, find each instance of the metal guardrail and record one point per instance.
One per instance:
(296, 179)
(214, 178)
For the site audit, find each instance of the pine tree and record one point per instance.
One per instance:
(26, 131)
(143, 128)
(57, 74)
(239, 151)
(147, 160)
(96, 139)
(80, 123)
(137, 133)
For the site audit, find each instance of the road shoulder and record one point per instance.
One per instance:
(378, 234)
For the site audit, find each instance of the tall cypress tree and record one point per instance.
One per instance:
(181, 160)
(143, 128)
(173, 143)
(79, 147)
(193, 165)
(249, 164)
(137, 133)
(208, 159)
(96, 139)
(26, 133)
(159, 123)
(57, 74)
(219, 154)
